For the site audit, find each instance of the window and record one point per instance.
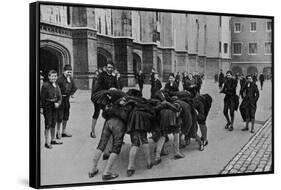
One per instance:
(237, 48)
(225, 47)
(253, 48)
(253, 27)
(267, 46)
(219, 47)
(220, 21)
(268, 26)
(237, 27)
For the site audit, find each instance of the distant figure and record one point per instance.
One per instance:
(156, 85)
(140, 80)
(242, 81)
(171, 85)
(221, 79)
(216, 77)
(178, 78)
(152, 75)
(255, 77)
(119, 81)
(261, 78)
(190, 85)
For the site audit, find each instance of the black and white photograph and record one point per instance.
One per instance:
(138, 94)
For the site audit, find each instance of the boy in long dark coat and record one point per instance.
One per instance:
(50, 100)
(68, 88)
(230, 99)
(250, 95)
(105, 81)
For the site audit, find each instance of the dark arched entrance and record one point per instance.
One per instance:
(102, 60)
(159, 67)
(252, 70)
(236, 70)
(103, 57)
(267, 71)
(53, 56)
(49, 61)
(136, 63)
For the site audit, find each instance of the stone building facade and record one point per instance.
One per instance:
(133, 39)
(251, 45)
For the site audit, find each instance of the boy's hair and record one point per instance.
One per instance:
(248, 76)
(229, 72)
(171, 75)
(52, 72)
(110, 63)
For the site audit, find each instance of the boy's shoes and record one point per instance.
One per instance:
(105, 156)
(179, 156)
(92, 135)
(230, 128)
(201, 147)
(92, 174)
(252, 131)
(227, 125)
(109, 176)
(56, 142)
(245, 129)
(130, 172)
(58, 136)
(157, 161)
(149, 166)
(66, 135)
(205, 143)
(49, 146)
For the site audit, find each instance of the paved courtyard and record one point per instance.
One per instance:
(227, 152)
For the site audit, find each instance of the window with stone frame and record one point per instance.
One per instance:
(253, 26)
(268, 47)
(253, 48)
(237, 27)
(237, 48)
(225, 47)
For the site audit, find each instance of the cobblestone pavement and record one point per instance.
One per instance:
(256, 155)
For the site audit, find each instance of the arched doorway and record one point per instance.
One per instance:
(53, 56)
(236, 69)
(103, 57)
(267, 71)
(136, 63)
(252, 70)
(159, 67)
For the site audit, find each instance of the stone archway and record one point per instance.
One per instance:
(236, 69)
(136, 63)
(103, 57)
(252, 70)
(53, 56)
